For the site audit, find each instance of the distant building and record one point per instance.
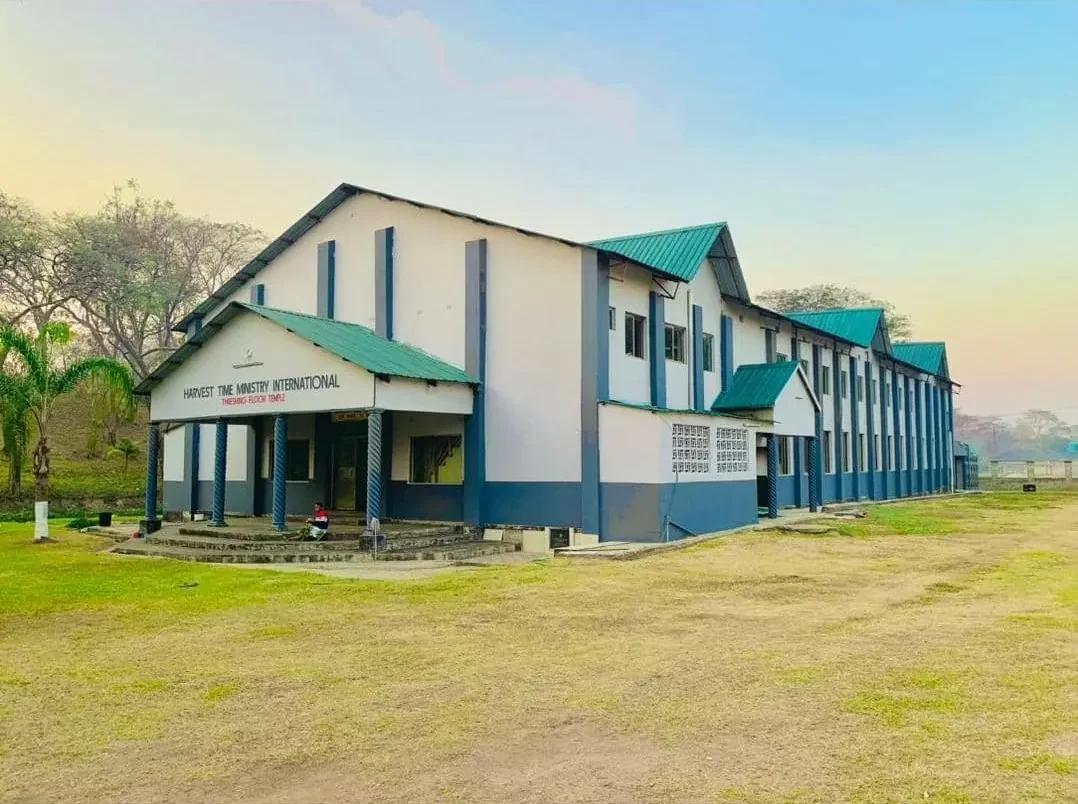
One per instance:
(410, 362)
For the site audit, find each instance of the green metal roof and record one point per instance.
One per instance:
(352, 342)
(756, 386)
(928, 357)
(858, 326)
(678, 252)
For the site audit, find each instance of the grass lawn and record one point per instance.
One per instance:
(928, 653)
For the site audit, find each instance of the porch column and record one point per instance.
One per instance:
(220, 459)
(374, 468)
(814, 473)
(772, 476)
(280, 470)
(153, 438)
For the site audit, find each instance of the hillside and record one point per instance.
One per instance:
(80, 480)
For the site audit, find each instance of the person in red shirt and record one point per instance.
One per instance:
(319, 522)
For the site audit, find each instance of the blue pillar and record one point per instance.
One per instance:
(885, 427)
(870, 429)
(374, 464)
(950, 437)
(280, 470)
(153, 439)
(855, 429)
(657, 348)
(193, 448)
(814, 473)
(798, 443)
(220, 461)
(772, 476)
(475, 357)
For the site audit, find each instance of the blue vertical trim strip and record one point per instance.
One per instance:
(726, 347)
(324, 281)
(855, 429)
(772, 476)
(384, 272)
(698, 357)
(920, 475)
(331, 281)
(836, 393)
(870, 430)
(897, 461)
(885, 431)
(153, 441)
(592, 321)
(657, 344)
(280, 470)
(950, 437)
(907, 405)
(220, 458)
(602, 328)
(940, 452)
(816, 456)
(798, 442)
(475, 363)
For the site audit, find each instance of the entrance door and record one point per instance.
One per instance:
(350, 473)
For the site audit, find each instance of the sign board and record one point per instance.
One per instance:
(350, 416)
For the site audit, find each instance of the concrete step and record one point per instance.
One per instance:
(455, 551)
(219, 543)
(211, 556)
(419, 536)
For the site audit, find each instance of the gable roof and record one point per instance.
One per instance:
(321, 210)
(856, 325)
(757, 386)
(678, 252)
(351, 342)
(930, 357)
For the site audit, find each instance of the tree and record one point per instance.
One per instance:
(126, 447)
(834, 297)
(149, 266)
(42, 380)
(109, 408)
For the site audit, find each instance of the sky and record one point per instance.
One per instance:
(923, 152)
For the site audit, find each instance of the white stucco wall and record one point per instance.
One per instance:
(629, 376)
(636, 446)
(173, 459)
(235, 456)
(705, 292)
(750, 343)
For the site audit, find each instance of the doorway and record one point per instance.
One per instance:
(349, 472)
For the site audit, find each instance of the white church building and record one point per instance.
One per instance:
(409, 362)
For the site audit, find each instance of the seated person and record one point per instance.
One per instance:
(319, 522)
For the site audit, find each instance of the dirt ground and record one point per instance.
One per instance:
(928, 654)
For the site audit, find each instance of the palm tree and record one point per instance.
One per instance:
(37, 387)
(126, 447)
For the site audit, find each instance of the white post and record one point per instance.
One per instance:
(41, 521)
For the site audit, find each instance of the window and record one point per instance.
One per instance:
(634, 334)
(709, 352)
(860, 388)
(900, 406)
(825, 379)
(847, 456)
(891, 452)
(612, 318)
(805, 366)
(844, 383)
(437, 460)
(875, 391)
(781, 358)
(691, 448)
(862, 453)
(297, 460)
(784, 456)
(828, 450)
(886, 394)
(731, 450)
(675, 343)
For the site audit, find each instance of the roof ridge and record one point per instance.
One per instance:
(658, 232)
(921, 343)
(256, 307)
(839, 310)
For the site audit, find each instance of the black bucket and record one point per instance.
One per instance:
(104, 519)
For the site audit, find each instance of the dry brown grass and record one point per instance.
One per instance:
(760, 668)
